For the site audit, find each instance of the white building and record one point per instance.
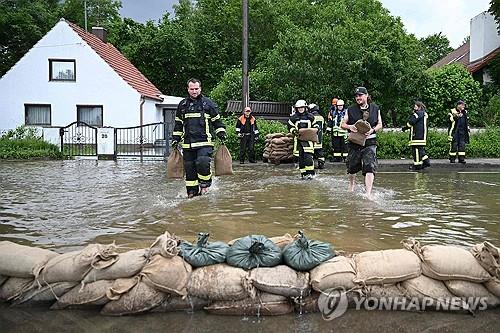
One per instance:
(72, 75)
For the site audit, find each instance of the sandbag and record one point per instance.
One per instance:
(467, 289)
(220, 282)
(203, 253)
(308, 134)
(334, 273)
(167, 245)
(280, 280)
(121, 287)
(73, 266)
(448, 262)
(307, 304)
(44, 294)
(362, 126)
(223, 162)
(15, 287)
(128, 264)
(175, 164)
(303, 254)
(282, 241)
(169, 275)
(386, 266)
(357, 138)
(493, 287)
(140, 298)
(176, 303)
(92, 294)
(253, 251)
(488, 257)
(21, 261)
(263, 305)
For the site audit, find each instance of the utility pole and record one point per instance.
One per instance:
(85, 7)
(245, 101)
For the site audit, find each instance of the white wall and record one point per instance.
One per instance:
(96, 84)
(484, 36)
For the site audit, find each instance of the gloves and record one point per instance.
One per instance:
(222, 137)
(295, 132)
(404, 128)
(175, 143)
(240, 135)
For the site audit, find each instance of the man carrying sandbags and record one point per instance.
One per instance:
(362, 155)
(195, 120)
(318, 145)
(301, 124)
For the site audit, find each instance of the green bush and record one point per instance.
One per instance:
(25, 143)
(491, 112)
(485, 144)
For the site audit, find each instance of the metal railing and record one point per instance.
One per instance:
(150, 140)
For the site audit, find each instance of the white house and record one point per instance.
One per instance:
(71, 75)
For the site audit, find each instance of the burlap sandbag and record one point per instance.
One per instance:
(308, 134)
(220, 282)
(263, 305)
(140, 298)
(169, 275)
(467, 289)
(488, 256)
(166, 245)
(15, 287)
(45, 294)
(307, 304)
(448, 262)
(282, 241)
(278, 142)
(121, 287)
(21, 261)
(73, 266)
(280, 280)
(359, 137)
(176, 303)
(493, 287)
(363, 126)
(128, 264)
(334, 273)
(92, 294)
(386, 266)
(223, 162)
(175, 164)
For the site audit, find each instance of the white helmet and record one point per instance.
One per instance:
(312, 106)
(340, 102)
(300, 104)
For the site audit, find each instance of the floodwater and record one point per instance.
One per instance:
(64, 205)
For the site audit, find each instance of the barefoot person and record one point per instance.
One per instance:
(363, 158)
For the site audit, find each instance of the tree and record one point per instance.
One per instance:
(99, 12)
(22, 24)
(495, 11)
(436, 47)
(445, 86)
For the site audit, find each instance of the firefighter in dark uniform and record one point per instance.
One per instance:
(196, 119)
(417, 124)
(363, 158)
(458, 132)
(318, 146)
(302, 118)
(339, 135)
(247, 131)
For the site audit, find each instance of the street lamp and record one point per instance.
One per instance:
(245, 101)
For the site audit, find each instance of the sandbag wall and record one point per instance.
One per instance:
(278, 148)
(157, 279)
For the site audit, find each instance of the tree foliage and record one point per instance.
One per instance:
(99, 12)
(495, 11)
(437, 46)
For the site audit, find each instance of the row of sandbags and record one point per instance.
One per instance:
(158, 279)
(278, 148)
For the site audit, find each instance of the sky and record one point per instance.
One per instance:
(420, 17)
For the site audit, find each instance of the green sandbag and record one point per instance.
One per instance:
(303, 254)
(203, 253)
(253, 251)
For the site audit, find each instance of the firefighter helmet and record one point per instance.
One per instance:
(301, 104)
(340, 102)
(313, 106)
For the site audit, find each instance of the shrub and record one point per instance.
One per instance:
(25, 143)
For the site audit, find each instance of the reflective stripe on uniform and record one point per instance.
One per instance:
(197, 144)
(192, 182)
(202, 177)
(179, 119)
(178, 133)
(217, 117)
(220, 129)
(192, 115)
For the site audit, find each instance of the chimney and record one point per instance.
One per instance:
(484, 36)
(101, 33)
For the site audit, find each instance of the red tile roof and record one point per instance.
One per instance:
(121, 65)
(459, 55)
(480, 63)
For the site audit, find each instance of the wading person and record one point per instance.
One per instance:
(302, 118)
(196, 119)
(339, 134)
(458, 132)
(247, 131)
(363, 157)
(417, 124)
(318, 146)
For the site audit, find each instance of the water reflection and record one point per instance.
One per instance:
(67, 204)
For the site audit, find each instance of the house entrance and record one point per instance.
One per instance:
(141, 141)
(78, 139)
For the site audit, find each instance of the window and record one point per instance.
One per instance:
(90, 114)
(37, 114)
(62, 70)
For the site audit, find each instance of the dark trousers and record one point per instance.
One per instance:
(306, 161)
(420, 158)
(457, 147)
(320, 156)
(247, 143)
(197, 167)
(339, 148)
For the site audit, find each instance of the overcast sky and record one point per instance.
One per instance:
(420, 17)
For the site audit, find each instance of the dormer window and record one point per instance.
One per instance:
(62, 70)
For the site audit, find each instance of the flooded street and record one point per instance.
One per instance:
(64, 205)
